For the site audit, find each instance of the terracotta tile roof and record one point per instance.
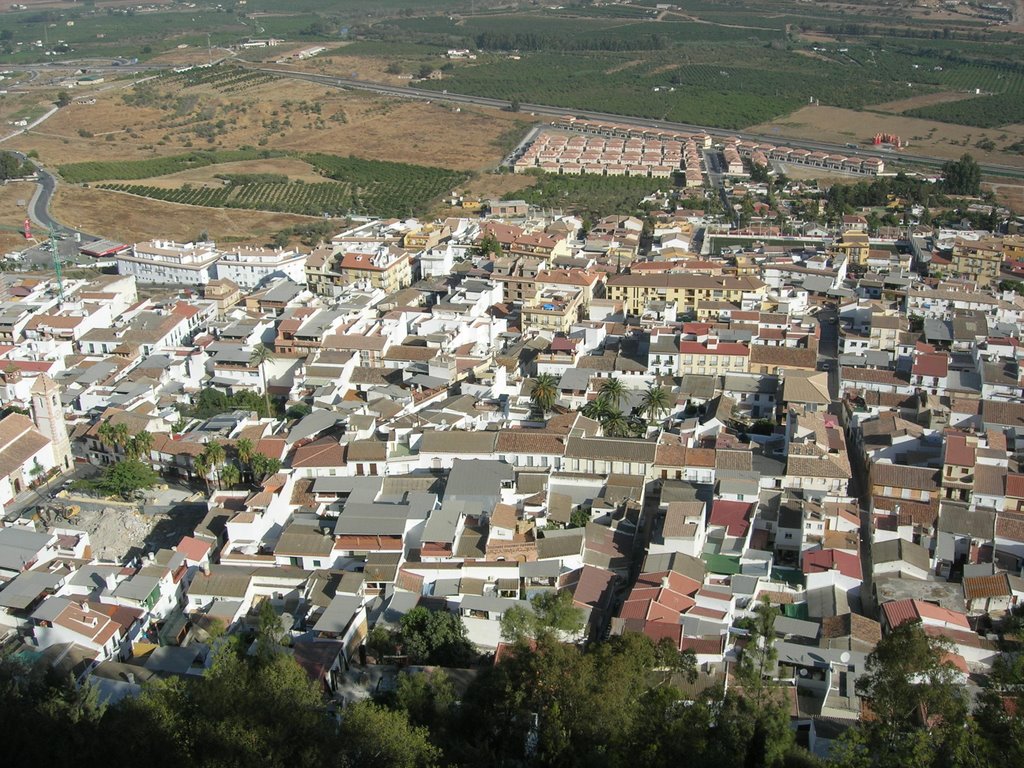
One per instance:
(1010, 526)
(976, 587)
(902, 476)
(824, 560)
(734, 515)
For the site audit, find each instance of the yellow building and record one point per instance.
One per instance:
(854, 243)
(635, 291)
(553, 309)
(977, 261)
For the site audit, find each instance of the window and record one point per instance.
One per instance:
(316, 563)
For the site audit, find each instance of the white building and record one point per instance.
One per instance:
(165, 261)
(248, 266)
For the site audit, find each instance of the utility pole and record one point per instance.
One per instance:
(57, 267)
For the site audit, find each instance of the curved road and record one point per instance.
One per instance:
(991, 169)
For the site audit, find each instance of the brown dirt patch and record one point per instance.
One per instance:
(627, 65)
(130, 219)
(370, 126)
(943, 140)
(1008, 193)
(924, 100)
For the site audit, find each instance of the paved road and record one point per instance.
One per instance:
(991, 169)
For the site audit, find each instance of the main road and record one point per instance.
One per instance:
(989, 169)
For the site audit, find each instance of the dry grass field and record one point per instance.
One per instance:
(924, 100)
(372, 127)
(282, 115)
(943, 140)
(130, 219)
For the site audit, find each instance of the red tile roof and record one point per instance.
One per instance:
(824, 560)
(734, 515)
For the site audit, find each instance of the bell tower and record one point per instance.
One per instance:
(49, 419)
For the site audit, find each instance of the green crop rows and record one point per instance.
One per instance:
(359, 186)
(79, 173)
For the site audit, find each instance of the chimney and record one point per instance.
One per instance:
(665, 582)
(84, 606)
(131, 677)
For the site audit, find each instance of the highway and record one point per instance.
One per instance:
(406, 91)
(989, 169)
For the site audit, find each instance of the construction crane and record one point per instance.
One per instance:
(57, 266)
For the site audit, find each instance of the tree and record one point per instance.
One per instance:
(201, 465)
(140, 446)
(655, 402)
(615, 424)
(488, 246)
(213, 454)
(373, 735)
(63, 99)
(263, 467)
(124, 478)
(915, 694)
(113, 435)
(597, 409)
(961, 177)
(259, 357)
(230, 475)
(435, 637)
(428, 698)
(11, 167)
(245, 450)
(612, 392)
(544, 392)
(549, 612)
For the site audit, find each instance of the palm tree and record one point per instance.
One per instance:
(114, 435)
(214, 455)
(544, 392)
(231, 475)
(616, 424)
(612, 391)
(140, 445)
(201, 465)
(245, 449)
(260, 355)
(597, 409)
(655, 403)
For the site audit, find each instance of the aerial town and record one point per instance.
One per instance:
(675, 424)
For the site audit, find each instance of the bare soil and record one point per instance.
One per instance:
(944, 140)
(130, 219)
(924, 100)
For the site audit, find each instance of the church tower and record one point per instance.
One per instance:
(48, 416)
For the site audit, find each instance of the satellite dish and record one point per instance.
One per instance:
(845, 657)
(803, 672)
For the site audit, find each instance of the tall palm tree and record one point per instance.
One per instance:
(544, 392)
(260, 355)
(616, 424)
(245, 449)
(141, 445)
(597, 409)
(231, 475)
(214, 453)
(201, 465)
(613, 392)
(655, 403)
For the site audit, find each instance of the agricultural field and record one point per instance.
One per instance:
(592, 196)
(131, 219)
(371, 187)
